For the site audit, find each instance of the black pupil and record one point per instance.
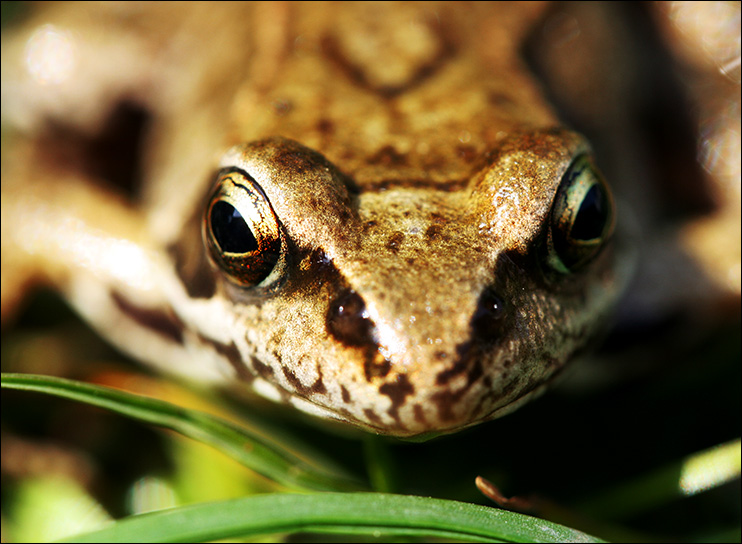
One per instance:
(230, 230)
(592, 216)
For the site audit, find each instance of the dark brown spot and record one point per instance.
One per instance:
(445, 401)
(325, 126)
(388, 156)
(293, 380)
(318, 387)
(232, 354)
(376, 366)
(469, 362)
(394, 241)
(262, 370)
(372, 417)
(433, 232)
(447, 375)
(346, 395)
(163, 322)
(397, 391)
(419, 414)
(348, 321)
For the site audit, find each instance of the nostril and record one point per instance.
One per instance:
(348, 321)
(488, 319)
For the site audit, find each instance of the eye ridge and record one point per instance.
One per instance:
(237, 184)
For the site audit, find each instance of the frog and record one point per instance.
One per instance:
(368, 211)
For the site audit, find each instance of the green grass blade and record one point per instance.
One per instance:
(693, 474)
(357, 513)
(255, 451)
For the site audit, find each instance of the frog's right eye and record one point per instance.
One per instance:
(582, 217)
(241, 230)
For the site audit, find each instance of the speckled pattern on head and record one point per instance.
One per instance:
(434, 308)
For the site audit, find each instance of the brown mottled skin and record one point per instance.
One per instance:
(411, 165)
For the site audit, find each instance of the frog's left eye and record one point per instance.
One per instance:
(582, 217)
(241, 230)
